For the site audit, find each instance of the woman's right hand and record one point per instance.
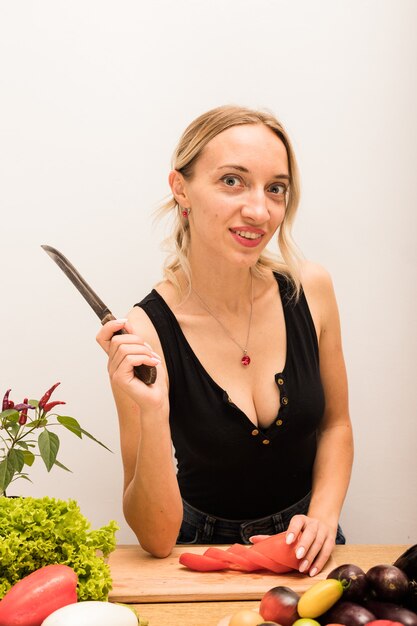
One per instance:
(126, 351)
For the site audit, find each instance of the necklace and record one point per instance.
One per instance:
(245, 360)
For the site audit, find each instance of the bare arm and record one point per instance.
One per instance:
(151, 499)
(333, 463)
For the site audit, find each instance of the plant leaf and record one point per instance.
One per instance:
(17, 459)
(87, 434)
(34, 403)
(6, 474)
(71, 424)
(48, 447)
(10, 414)
(29, 457)
(62, 466)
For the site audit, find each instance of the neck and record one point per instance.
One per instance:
(222, 289)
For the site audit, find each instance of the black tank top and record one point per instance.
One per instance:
(227, 467)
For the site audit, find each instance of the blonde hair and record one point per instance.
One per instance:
(190, 146)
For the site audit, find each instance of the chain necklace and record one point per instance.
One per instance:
(245, 360)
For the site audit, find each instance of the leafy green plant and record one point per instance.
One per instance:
(39, 531)
(25, 434)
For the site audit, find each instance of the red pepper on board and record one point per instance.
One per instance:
(47, 395)
(33, 598)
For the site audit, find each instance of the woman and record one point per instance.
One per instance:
(251, 384)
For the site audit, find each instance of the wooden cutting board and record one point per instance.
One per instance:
(139, 577)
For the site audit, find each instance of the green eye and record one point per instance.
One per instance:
(278, 188)
(231, 181)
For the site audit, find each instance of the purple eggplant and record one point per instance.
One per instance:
(388, 583)
(347, 613)
(392, 612)
(357, 585)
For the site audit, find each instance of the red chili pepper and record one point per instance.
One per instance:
(23, 417)
(51, 405)
(5, 404)
(47, 395)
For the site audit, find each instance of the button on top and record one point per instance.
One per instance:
(278, 422)
(284, 400)
(255, 432)
(265, 441)
(280, 381)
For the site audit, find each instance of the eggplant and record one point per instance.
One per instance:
(392, 612)
(407, 562)
(357, 587)
(388, 582)
(348, 613)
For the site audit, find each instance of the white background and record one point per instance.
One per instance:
(94, 95)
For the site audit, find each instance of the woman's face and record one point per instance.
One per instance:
(236, 194)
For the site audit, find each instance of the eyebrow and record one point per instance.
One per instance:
(240, 168)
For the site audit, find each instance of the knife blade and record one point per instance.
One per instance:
(145, 373)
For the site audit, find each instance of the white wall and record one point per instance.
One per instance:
(93, 96)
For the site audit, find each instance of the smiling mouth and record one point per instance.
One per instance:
(247, 234)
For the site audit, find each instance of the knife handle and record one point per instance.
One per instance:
(145, 373)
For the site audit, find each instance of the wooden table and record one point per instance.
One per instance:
(167, 594)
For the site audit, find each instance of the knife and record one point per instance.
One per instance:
(145, 373)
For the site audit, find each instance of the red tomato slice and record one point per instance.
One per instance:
(257, 558)
(201, 563)
(234, 561)
(276, 549)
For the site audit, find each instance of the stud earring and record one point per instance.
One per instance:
(185, 212)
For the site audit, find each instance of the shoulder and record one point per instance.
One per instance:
(314, 277)
(318, 288)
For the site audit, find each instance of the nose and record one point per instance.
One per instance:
(255, 207)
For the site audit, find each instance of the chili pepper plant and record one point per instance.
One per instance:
(25, 433)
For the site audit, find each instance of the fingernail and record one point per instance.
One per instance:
(300, 552)
(121, 320)
(290, 538)
(147, 345)
(313, 571)
(156, 356)
(303, 566)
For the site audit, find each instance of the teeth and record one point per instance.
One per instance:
(247, 234)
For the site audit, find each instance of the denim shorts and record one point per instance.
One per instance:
(201, 528)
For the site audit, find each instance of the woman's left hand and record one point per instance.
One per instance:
(313, 542)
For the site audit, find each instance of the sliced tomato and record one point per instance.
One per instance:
(201, 562)
(276, 549)
(257, 558)
(233, 560)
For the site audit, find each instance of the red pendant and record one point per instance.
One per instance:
(245, 360)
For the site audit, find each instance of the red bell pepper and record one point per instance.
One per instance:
(275, 548)
(39, 594)
(232, 560)
(259, 559)
(200, 563)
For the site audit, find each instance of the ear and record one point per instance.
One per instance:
(178, 187)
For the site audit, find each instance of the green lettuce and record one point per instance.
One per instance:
(38, 531)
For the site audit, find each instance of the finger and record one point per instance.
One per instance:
(295, 526)
(314, 549)
(127, 355)
(322, 558)
(106, 333)
(258, 538)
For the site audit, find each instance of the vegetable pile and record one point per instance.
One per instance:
(272, 554)
(35, 532)
(385, 595)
